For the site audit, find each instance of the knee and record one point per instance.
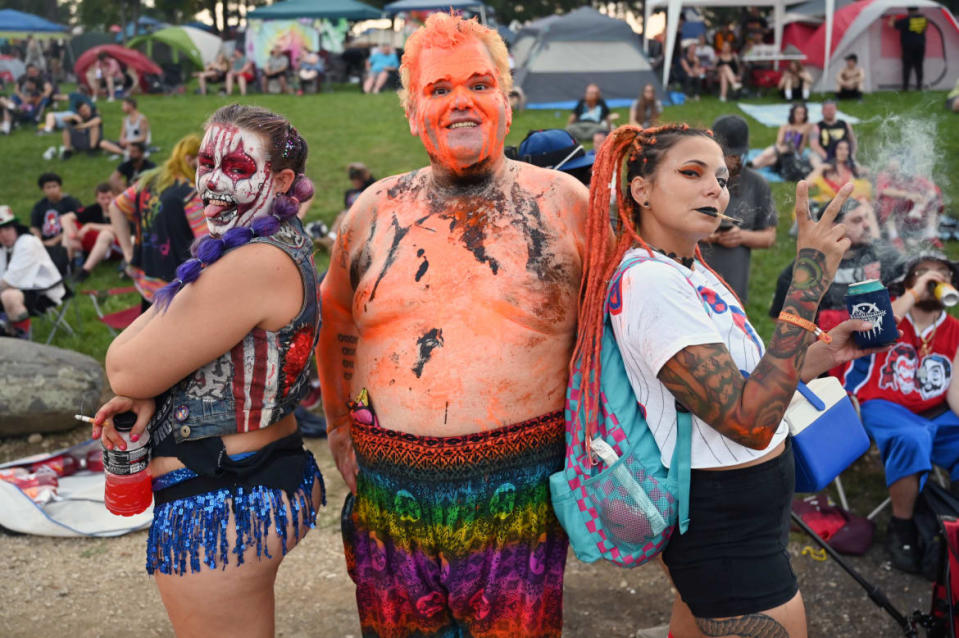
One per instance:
(11, 297)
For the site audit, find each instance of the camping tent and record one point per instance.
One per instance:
(328, 9)
(556, 57)
(174, 43)
(17, 24)
(672, 20)
(862, 28)
(131, 58)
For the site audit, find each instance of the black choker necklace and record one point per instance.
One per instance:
(686, 261)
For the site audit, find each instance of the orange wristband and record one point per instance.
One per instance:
(805, 324)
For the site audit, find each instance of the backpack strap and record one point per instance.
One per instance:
(682, 463)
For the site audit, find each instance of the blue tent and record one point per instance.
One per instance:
(328, 9)
(15, 23)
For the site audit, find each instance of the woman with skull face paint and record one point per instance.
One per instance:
(685, 341)
(217, 374)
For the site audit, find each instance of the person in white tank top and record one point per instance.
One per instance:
(135, 128)
(688, 344)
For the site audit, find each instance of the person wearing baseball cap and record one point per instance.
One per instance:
(907, 400)
(557, 149)
(29, 281)
(728, 250)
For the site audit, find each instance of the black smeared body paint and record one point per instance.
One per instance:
(427, 343)
(424, 266)
(398, 234)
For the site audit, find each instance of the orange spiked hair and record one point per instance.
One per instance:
(445, 31)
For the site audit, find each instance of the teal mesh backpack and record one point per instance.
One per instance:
(614, 497)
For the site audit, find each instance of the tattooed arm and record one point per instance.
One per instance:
(706, 380)
(336, 352)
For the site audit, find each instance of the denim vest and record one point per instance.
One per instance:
(262, 378)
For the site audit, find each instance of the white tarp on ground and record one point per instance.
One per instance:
(778, 114)
(78, 509)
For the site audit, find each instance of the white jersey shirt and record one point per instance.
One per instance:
(666, 307)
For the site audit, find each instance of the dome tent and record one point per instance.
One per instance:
(556, 57)
(178, 44)
(862, 28)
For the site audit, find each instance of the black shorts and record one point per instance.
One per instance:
(733, 560)
(951, 101)
(37, 302)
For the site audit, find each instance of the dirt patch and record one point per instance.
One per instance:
(98, 588)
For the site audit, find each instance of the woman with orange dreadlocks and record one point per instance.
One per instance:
(686, 341)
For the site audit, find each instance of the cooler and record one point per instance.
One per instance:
(827, 434)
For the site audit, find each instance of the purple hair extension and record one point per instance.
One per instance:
(188, 271)
(210, 250)
(265, 226)
(285, 206)
(302, 188)
(164, 295)
(237, 237)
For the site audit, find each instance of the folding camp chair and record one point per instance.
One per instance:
(56, 316)
(114, 321)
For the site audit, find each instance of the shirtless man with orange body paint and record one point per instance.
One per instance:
(452, 299)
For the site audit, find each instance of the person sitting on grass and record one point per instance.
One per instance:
(128, 171)
(826, 179)
(214, 72)
(909, 206)
(30, 282)
(850, 79)
(134, 128)
(590, 114)
(795, 81)
(729, 70)
(645, 111)
(952, 99)
(793, 138)
(107, 73)
(275, 69)
(45, 218)
(242, 71)
(58, 119)
(88, 232)
(84, 132)
(23, 107)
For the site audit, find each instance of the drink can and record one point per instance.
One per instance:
(869, 301)
(946, 294)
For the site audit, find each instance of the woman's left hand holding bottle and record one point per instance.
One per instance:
(103, 420)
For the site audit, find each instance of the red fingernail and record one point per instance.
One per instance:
(134, 437)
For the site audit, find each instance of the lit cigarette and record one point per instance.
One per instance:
(85, 419)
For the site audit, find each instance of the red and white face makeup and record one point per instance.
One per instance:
(459, 110)
(233, 178)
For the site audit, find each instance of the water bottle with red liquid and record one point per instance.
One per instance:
(129, 489)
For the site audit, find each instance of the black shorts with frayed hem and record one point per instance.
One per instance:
(733, 560)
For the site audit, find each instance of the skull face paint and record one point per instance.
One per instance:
(459, 110)
(233, 178)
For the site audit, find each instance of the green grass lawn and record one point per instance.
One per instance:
(344, 126)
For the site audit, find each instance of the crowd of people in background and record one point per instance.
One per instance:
(146, 216)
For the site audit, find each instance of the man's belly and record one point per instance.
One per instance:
(447, 386)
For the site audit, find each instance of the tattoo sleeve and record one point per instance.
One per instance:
(749, 626)
(706, 380)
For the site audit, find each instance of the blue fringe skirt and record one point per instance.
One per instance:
(183, 527)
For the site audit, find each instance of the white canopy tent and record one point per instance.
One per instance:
(673, 7)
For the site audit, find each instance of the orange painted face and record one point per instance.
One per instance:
(458, 108)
